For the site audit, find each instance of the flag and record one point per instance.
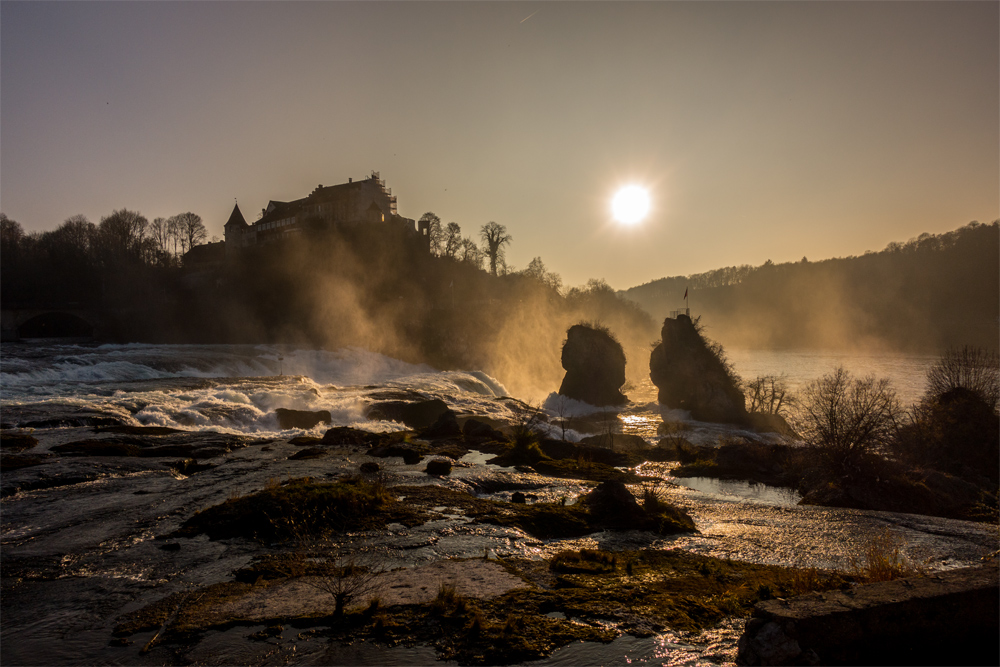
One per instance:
(685, 293)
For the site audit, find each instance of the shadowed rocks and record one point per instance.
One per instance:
(949, 618)
(419, 415)
(691, 375)
(595, 366)
(303, 419)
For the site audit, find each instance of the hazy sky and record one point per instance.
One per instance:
(764, 130)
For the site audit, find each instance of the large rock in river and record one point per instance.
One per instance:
(419, 414)
(692, 376)
(595, 366)
(304, 419)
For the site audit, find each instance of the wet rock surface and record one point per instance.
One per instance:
(691, 376)
(304, 419)
(14, 441)
(418, 414)
(595, 366)
(445, 426)
(947, 618)
(476, 431)
(95, 554)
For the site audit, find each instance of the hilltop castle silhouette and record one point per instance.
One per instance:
(367, 201)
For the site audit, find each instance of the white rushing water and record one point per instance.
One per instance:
(236, 388)
(224, 388)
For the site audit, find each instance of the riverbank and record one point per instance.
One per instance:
(100, 540)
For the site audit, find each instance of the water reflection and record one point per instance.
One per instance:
(758, 493)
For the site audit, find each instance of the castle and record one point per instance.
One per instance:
(367, 201)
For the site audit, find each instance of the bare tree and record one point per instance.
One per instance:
(452, 240)
(434, 232)
(121, 234)
(536, 269)
(348, 575)
(79, 231)
(768, 394)
(849, 418)
(561, 410)
(495, 237)
(160, 232)
(190, 230)
(971, 368)
(10, 230)
(470, 253)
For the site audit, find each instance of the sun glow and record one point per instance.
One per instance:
(630, 204)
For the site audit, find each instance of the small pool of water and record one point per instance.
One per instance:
(758, 493)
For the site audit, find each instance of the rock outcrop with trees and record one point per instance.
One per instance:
(691, 374)
(595, 366)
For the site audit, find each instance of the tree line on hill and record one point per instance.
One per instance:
(930, 293)
(84, 263)
(459, 306)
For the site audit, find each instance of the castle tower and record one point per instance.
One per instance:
(235, 228)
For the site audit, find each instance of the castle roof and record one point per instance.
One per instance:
(236, 218)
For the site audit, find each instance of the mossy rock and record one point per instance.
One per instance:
(546, 520)
(301, 505)
(17, 442)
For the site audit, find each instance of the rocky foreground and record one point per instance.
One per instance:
(309, 558)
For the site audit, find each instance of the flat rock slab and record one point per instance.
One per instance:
(945, 618)
(296, 597)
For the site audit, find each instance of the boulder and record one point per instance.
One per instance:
(410, 456)
(518, 497)
(944, 618)
(370, 468)
(439, 467)
(345, 436)
(477, 431)
(446, 426)
(612, 499)
(595, 366)
(691, 375)
(308, 453)
(421, 414)
(303, 419)
(612, 505)
(768, 423)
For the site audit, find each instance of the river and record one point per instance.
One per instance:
(77, 533)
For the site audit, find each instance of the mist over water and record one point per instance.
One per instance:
(236, 388)
(908, 372)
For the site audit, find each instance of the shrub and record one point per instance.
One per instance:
(347, 575)
(957, 432)
(850, 420)
(768, 394)
(881, 559)
(969, 368)
(299, 507)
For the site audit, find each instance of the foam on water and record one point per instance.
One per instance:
(243, 384)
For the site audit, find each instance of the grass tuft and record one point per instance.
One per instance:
(882, 559)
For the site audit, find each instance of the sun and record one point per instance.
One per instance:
(630, 204)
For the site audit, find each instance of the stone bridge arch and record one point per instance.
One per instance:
(19, 323)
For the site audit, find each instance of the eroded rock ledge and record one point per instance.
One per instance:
(949, 618)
